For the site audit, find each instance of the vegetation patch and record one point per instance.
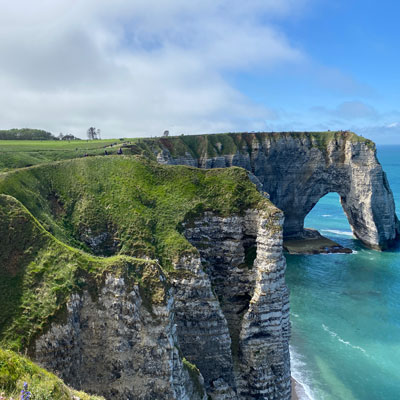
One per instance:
(194, 374)
(127, 205)
(53, 218)
(25, 153)
(34, 289)
(16, 370)
(220, 144)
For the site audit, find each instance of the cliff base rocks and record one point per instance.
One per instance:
(312, 242)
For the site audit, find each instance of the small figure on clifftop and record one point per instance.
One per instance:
(119, 150)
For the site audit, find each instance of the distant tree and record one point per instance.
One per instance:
(166, 133)
(98, 134)
(69, 137)
(26, 134)
(92, 133)
(60, 136)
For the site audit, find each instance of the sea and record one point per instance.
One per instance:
(345, 308)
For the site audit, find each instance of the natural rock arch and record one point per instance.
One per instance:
(349, 169)
(297, 169)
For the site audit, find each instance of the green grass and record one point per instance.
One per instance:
(16, 369)
(141, 204)
(213, 145)
(46, 211)
(24, 153)
(38, 274)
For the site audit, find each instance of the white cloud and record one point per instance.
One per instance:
(137, 67)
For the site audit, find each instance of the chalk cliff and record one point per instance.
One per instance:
(116, 346)
(196, 309)
(226, 312)
(296, 170)
(239, 336)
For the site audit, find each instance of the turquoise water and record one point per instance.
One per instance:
(345, 309)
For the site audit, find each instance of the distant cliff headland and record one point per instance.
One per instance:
(130, 276)
(296, 169)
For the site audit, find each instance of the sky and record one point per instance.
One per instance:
(135, 68)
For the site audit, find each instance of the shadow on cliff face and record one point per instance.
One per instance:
(227, 254)
(241, 262)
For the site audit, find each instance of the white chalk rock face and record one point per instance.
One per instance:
(117, 347)
(226, 311)
(297, 169)
(238, 331)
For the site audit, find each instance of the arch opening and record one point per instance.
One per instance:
(326, 229)
(329, 218)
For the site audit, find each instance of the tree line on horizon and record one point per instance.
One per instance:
(33, 134)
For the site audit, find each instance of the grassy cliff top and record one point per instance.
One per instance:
(65, 225)
(15, 370)
(24, 153)
(139, 203)
(213, 145)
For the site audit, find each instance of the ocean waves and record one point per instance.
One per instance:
(302, 377)
(338, 232)
(336, 336)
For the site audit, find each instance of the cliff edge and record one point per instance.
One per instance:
(296, 169)
(132, 279)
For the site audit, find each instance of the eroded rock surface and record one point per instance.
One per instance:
(116, 347)
(297, 169)
(226, 312)
(245, 325)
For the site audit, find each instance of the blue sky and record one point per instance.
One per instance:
(350, 79)
(138, 67)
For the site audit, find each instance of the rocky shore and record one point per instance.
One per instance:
(312, 242)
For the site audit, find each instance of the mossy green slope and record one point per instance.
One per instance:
(15, 370)
(45, 210)
(139, 203)
(38, 273)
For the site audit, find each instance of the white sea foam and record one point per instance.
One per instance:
(299, 373)
(337, 232)
(336, 336)
(294, 315)
(326, 215)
